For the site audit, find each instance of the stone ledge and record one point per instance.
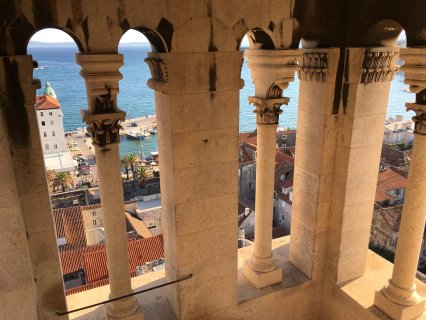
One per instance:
(153, 303)
(291, 276)
(363, 289)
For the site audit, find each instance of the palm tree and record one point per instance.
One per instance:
(51, 175)
(125, 164)
(142, 175)
(132, 158)
(64, 180)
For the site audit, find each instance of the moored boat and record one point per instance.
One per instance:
(135, 135)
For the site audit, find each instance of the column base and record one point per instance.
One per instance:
(399, 311)
(129, 310)
(262, 279)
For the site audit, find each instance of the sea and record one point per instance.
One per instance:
(57, 65)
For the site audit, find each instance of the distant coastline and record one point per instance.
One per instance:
(39, 44)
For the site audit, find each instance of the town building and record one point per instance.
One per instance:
(399, 131)
(50, 122)
(390, 188)
(344, 54)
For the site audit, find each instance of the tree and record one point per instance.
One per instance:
(63, 180)
(132, 158)
(51, 175)
(142, 175)
(125, 164)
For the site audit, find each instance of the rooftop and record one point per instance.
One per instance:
(45, 102)
(388, 180)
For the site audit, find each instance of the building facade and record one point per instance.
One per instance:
(50, 121)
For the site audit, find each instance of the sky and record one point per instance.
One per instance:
(54, 35)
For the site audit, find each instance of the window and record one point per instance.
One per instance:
(251, 186)
(284, 145)
(94, 222)
(53, 133)
(45, 134)
(46, 146)
(251, 168)
(41, 114)
(50, 113)
(94, 213)
(55, 146)
(51, 122)
(43, 123)
(284, 136)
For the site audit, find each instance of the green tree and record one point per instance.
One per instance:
(63, 180)
(142, 176)
(125, 164)
(132, 158)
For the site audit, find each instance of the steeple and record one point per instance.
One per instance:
(48, 91)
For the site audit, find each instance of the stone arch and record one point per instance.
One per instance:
(65, 30)
(259, 37)
(383, 33)
(156, 40)
(313, 36)
(159, 38)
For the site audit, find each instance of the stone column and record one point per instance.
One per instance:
(103, 120)
(361, 115)
(197, 99)
(28, 175)
(399, 299)
(271, 73)
(314, 159)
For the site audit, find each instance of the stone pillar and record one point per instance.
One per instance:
(101, 74)
(271, 72)
(399, 299)
(197, 107)
(26, 171)
(359, 127)
(314, 159)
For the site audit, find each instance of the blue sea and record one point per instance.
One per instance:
(57, 65)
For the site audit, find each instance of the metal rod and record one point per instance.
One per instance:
(62, 313)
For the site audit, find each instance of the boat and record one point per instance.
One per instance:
(152, 130)
(135, 135)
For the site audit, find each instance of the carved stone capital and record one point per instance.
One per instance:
(313, 67)
(379, 65)
(267, 110)
(158, 69)
(272, 68)
(101, 73)
(104, 127)
(414, 68)
(420, 118)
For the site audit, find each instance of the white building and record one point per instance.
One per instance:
(50, 123)
(398, 130)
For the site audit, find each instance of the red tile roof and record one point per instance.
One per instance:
(388, 180)
(280, 157)
(69, 225)
(140, 252)
(46, 103)
(249, 138)
(392, 216)
(72, 260)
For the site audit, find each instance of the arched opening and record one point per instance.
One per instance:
(285, 138)
(139, 149)
(69, 161)
(395, 156)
